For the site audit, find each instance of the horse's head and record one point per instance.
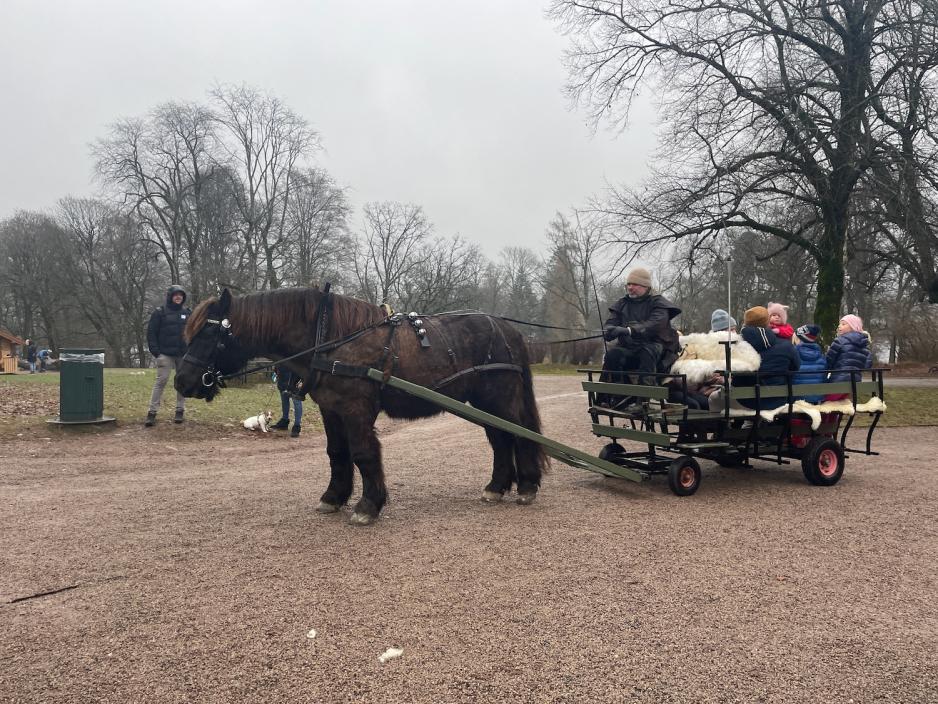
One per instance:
(213, 350)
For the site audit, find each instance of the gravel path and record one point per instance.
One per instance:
(195, 571)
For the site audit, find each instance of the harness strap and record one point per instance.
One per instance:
(495, 366)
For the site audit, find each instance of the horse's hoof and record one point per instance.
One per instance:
(361, 519)
(526, 499)
(323, 507)
(491, 497)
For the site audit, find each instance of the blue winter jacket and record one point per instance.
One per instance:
(849, 351)
(778, 356)
(813, 367)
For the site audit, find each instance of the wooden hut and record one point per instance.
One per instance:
(10, 346)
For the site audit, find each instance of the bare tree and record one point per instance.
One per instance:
(162, 166)
(573, 244)
(768, 106)
(522, 274)
(31, 244)
(447, 278)
(265, 144)
(109, 269)
(317, 229)
(391, 249)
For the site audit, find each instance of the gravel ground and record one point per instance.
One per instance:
(195, 570)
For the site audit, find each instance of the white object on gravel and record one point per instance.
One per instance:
(390, 653)
(312, 633)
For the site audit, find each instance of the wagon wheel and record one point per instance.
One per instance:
(612, 452)
(684, 476)
(823, 462)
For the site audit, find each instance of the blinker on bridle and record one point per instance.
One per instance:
(212, 377)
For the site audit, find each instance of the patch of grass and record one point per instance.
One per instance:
(906, 406)
(28, 400)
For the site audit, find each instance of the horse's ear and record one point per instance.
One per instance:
(224, 302)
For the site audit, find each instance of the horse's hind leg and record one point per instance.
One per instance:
(522, 461)
(366, 454)
(340, 462)
(503, 465)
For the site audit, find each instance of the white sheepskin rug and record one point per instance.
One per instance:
(814, 410)
(702, 355)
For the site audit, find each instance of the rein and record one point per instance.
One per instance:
(335, 367)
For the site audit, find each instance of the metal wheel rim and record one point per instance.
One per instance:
(687, 477)
(828, 463)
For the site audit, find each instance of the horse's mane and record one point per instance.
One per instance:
(266, 314)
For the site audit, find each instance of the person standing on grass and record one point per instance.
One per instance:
(31, 356)
(164, 338)
(286, 384)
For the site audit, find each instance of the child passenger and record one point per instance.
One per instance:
(813, 362)
(849, 350)
(778, 321)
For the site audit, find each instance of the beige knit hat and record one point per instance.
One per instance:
(639, 276)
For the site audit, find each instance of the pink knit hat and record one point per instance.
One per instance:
(854, 321)
(780, 309)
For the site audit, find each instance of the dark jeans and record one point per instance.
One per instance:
(637, 358)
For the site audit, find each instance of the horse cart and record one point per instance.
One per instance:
(356, 359)
(782, 428)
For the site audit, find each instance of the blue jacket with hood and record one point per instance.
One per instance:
(778, 357)
(813, 367)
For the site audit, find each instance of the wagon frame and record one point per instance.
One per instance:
(676, 437)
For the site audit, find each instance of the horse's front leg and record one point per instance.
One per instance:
(366, 454)
(340, 462)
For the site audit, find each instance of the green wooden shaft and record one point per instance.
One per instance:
(564, 453)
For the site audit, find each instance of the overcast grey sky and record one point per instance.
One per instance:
(456, 106)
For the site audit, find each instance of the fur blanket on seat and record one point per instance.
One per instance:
(702, 355)
(814, 410)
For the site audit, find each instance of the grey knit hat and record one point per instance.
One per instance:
(720, 320)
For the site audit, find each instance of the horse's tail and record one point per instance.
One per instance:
(530, 419)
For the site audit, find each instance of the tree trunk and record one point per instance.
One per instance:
(830, 277)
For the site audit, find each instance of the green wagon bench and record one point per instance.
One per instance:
(676, 437)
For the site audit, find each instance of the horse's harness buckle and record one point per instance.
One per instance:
(335, 363)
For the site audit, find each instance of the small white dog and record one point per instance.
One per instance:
(259, 422)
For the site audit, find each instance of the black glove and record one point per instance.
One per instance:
(614, 331)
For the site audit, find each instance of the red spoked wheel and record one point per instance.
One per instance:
(823, 462)
(684, 476)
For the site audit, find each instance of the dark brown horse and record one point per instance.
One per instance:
(469, 356)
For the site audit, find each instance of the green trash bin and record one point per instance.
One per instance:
(81, 386)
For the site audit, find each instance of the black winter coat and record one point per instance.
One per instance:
(849, 351)
(778, 356)
(649, 317)
(164, 331)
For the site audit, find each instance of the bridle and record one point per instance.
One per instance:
(211, 376)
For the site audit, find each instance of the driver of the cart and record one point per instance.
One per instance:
(644, 343)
